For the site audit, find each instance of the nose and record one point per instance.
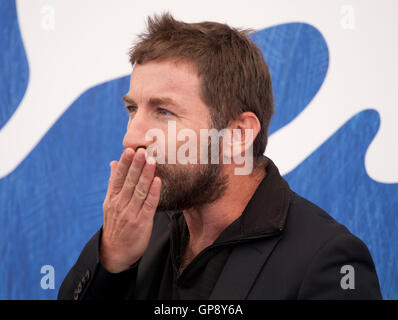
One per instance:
(137, 128)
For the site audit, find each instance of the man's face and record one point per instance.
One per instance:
(163, 92)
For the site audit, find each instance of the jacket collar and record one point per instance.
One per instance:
(266, 211)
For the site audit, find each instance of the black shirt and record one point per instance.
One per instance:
(197, 280)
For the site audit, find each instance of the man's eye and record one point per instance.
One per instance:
(163, 112)
(131, 109)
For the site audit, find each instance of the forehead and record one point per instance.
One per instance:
(175, 79)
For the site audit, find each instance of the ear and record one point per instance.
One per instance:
(244, 130)
(238, 146)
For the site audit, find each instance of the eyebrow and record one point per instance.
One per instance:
(154, 101)
(127, 99)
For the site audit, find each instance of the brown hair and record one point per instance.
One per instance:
(234, 75)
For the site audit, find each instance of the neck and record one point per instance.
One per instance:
(206, 223)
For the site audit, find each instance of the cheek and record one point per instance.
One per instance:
(177, 140)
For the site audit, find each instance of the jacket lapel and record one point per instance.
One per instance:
(242, 268)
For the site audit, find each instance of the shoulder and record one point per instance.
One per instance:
(311, 253)
(309, 229)
(309, 224)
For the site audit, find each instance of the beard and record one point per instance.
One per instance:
(189, 186)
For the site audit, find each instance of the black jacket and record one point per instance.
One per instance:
(284, 247)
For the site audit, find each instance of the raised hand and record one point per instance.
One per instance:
(129, 207)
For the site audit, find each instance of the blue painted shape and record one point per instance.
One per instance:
(334, 178)
(14, 72)
(298, 59)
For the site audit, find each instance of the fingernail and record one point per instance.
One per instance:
(112, 163)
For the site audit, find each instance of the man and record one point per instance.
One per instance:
(199, 230)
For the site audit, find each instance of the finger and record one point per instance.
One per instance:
(142, 188)
(132, 177)
(121, 172)
(152, 200)
(113, 166)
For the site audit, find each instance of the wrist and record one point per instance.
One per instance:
(114, 263)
